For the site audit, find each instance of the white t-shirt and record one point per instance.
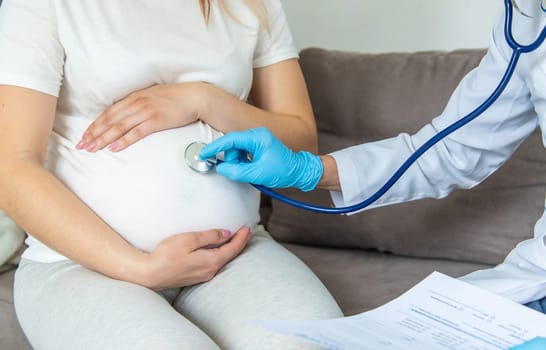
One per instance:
(93, 53)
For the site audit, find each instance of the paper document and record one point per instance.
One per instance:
(438, 313)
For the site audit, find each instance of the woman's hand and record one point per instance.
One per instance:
(189, 258)
(143, 112)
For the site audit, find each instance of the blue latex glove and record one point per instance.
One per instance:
(533, 344)
(256, 156)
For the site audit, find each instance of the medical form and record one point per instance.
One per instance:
(438, 313)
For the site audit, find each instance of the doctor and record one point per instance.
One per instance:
(462, 160)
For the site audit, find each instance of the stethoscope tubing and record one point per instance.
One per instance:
(517, 50)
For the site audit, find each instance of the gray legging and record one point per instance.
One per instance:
(63, 305)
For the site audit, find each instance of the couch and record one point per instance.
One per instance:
(371, 257)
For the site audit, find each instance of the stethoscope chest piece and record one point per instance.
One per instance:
(191, 154)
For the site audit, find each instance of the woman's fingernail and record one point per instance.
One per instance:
(80, 145)
(226, 233)
(91, 147)
(113, 147)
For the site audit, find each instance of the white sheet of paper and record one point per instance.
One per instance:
(440, 313)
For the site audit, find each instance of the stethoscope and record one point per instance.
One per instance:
(207, 165)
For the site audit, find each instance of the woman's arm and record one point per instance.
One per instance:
(278, 92)
(38, 201)
(44, 207)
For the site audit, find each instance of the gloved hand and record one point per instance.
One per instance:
(533, 344)
(256, 156)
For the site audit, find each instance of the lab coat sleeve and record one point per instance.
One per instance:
(462, 160)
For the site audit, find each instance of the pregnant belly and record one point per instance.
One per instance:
(147, 192)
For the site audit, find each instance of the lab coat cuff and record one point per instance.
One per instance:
(349, 179)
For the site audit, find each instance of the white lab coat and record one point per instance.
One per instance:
(468, 155)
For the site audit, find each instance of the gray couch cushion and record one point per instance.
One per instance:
(361, 280)
(11, 335)
(355, 100)
(11, 242)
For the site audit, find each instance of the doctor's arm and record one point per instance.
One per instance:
(47, 209)
(462, 160)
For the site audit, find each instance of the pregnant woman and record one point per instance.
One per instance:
(108, 94)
